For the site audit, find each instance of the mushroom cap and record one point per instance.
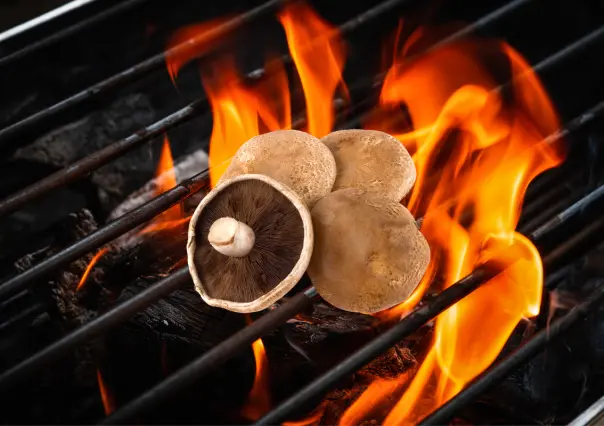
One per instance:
(282, 249)
(368, 254)
(294, 158)
(371, 160)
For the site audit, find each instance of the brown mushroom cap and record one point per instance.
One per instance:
(271, 262)
(296, 159)
(368, 254)
(371, 160)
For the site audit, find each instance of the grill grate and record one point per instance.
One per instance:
(180, 380)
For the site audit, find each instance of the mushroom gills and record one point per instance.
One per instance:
(253, 265)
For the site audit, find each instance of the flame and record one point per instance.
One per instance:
(312, 419)
(171, 218)
(89, 267)
(318, 53)
(475, 152)
(476, 146)
(166, 180)
(242, 110)
(258, 402)
(189, 43)
(106, 397)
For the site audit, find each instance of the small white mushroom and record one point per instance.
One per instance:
(231, 237)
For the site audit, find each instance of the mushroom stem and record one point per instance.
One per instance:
(230, 237)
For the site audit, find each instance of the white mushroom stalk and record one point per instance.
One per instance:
(230, 237)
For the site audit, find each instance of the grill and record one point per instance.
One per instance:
(561, 213)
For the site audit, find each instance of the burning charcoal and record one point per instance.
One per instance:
(372, 161)
(165, 337)
(369, 254)
(291, 157)
(254, 241)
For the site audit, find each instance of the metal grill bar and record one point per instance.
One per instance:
(151, 64)
(69, 31)
(91, 329)
(534, 346)
(593, 416)
(94, 328)
(147, 211)
(109, 232)
(157, 62)
(92, 162)
(227, 348)
(83, 167)
(212, 359)
(403, 329)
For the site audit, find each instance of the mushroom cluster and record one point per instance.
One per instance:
(290, 203)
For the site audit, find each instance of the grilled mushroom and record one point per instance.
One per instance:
(368, 254)
(371, 160)
(294, 158)
(250, 241)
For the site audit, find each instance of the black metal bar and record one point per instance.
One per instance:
(213, 358)
(593, 416)
(496, 374)
(97, 159)
(151, 64)
(227, 349)
(109, 232)
(94, 328)
(164, 201)
(404, 328)
(71, 30)
(573, 244)
(593, 197)
(27, 314)
(549, 212)
(380, 344)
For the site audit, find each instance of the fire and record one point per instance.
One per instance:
(312, 419)
(189, 43)
(476, 146)
(318, 54)
(91, 264)
(171, 218)
(241, 110)
(475, 155)
(106, 397)
(165, 176)
(258, 402)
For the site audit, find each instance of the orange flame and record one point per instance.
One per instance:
(241, 111)
(318, 53)
(166, 180)
(258, 402)
(475, 155)
(238, 109)
(171, 218)
(106, 397)
(312, 419)
(189, 43)
(476, 147)
(91, 264)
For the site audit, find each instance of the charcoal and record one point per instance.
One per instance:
(75, 140)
